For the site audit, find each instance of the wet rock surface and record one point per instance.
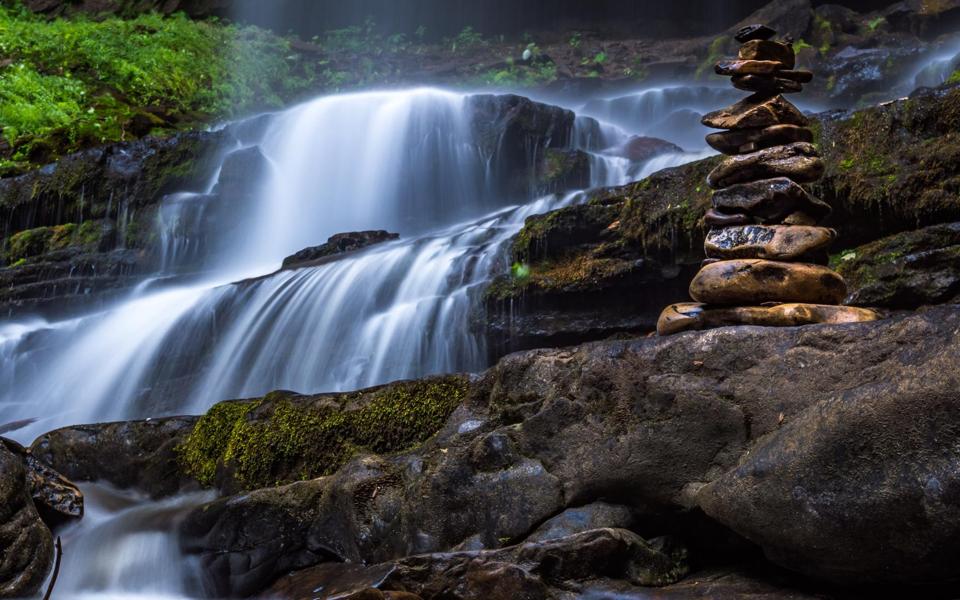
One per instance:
(907, 270)
(772, 242)
(26, 545)
(754, 281)
(756, 111)
(340, 243)
(683, 421)
(770, 200)
(799, 161)
(695, 316)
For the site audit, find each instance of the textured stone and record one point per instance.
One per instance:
(26, 545)
(743, 141)
(798, 161)
(797, 76)
(769, 200)
(693, 316)
(769, 50)
(800, 218)
(755, 281)
(715, 218)
(757, 110)
(762, 84)
(772, 242)
(754, 32)
(748, 67)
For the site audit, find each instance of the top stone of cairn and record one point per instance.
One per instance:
(754, 32)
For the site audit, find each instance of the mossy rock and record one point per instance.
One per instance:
(905, 270)
(89, 236)
(284, 437)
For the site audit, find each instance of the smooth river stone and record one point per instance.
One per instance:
(765, 84)
(772, 242)
(798, 161)
(798, 76)
(754, 32)
(769, 200)
(758, 110)
(744, 141)
(693, 316)
(748, 67)
(715, 218)
(769, 50)
(755, 281)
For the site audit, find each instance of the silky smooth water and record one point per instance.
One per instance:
(402, 161)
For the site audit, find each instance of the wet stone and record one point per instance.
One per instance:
(773, 242)
(769, 200)
(798, 76)
(695, 316)
(765, 84)
(715, 218)
(744, 141)
(748, 67)
(754, 32)
(758, 110)
(755, 281)
(798, 161)
(769, 50)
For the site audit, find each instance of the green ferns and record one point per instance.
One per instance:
(67, 83)
(283, 437)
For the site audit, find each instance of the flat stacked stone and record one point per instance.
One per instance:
(766, 255)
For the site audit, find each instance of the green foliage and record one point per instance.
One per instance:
(466, 39)
(954, 78)
(600, 57)
(41, 240)
(714, 53)
(283, 438)
(575, 40)
(874, 23)
(72, 82)
(800, 45)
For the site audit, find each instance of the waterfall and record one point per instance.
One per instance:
(403, 161)
(126, 548)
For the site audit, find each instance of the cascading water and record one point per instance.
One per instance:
(404, 161)
(402, 309)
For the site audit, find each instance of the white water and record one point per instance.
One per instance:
(126, 548)
(401, 161)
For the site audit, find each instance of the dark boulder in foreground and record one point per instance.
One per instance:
(340, 243)
(26, 545)
(855, 420)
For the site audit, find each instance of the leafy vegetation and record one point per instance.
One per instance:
(70, 83)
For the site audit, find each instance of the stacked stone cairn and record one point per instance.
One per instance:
(766, 256)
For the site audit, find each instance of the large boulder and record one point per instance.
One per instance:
(26, 545)
(644, 425)
(138, 454)
(862, 486)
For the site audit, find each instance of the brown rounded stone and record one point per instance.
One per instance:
(769, 200)
(715, 218)
(769, 50)
(744, 141)
(755, 281)
(765, 84)
(758, 110)
(798, 161)
(694, 316)
(798, 76)
(772, 242)
(748, 67)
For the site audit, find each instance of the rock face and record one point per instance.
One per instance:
(906, 270)
(26, 546)
(541, 569)
(338, 244)
(142, 454)
(670, 415)
(860, 486)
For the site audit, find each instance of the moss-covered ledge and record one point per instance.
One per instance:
(285, 437)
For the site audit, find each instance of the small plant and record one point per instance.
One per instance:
(599, 58)
(520, 270)
(575, 40)
(874, 23)
(467, 38)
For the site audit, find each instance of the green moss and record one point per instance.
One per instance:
(284, 437)
(715, 52)
(41, 240)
